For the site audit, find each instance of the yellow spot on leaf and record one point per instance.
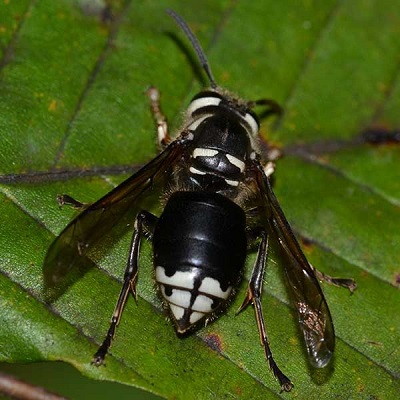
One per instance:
(52, 106)
(293, 341)
(225, 76)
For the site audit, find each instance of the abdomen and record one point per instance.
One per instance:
(199, 250)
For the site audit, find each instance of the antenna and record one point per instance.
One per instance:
(195, 43)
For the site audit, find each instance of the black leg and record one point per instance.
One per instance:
(271, 107)
(341, 282)
(254, 296)
(129, 283)
(65, 199)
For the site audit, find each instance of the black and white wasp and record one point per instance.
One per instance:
(217, 202)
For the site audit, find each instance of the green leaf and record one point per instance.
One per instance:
(72, 83)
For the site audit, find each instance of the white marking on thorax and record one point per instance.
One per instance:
(236, 162)
(232, 183)
(212, 287)
(204, 152)
(179, 279)
(196, 171)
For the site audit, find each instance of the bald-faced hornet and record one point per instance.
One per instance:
(218, 201)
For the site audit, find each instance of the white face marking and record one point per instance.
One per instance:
(253, 124)
(177, 311)
(202, 152)
(195, 316)
(202, 304)
(236, 162)
(202, 102)
(179, 279)
(232, 183)
(196, 171)
(213, 287)
(253, 155)
(178, 297)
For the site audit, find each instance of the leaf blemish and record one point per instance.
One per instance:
(214, 342)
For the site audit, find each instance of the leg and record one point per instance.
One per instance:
(65, 199)
(162, 126)
(341, 282)
(269, 168)
(271, 154)
(129, 283)
(254, 296)
(271, 107)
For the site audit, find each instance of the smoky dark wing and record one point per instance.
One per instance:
(68, 256)
(313, 312)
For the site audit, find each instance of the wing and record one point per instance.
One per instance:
(67, 258)
(313, 312)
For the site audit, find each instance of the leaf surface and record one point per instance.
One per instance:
(73, 77)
